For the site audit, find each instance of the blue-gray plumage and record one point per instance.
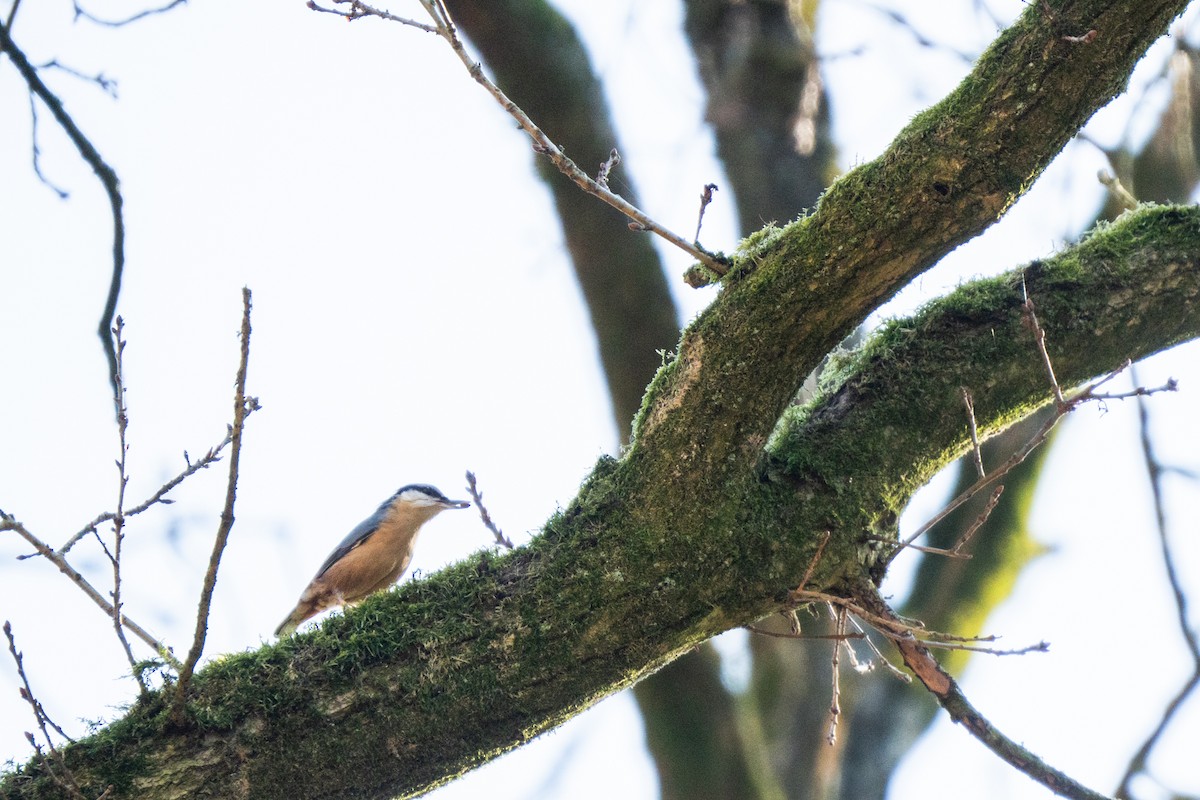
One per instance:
(373, 556)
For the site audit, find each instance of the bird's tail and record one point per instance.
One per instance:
(289, 625)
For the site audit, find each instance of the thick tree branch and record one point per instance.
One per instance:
(421, 683)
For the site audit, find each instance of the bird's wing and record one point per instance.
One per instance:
(360, 534)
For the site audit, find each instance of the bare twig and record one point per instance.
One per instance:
(1038, 647)
(242, 407)
(894, 626)
(9, 523)
(1063, 406)
(1117, 189)
(972, 529)
(812, 562)
(118, 519)
(879, 656)
(1015, 459)
(477, 498)
(796, 633)
(1039, 337)
(918, 658)
(106, 84)
(835, 708)
(706, 197)
(358, 11)
(159, 496)
(12, 14)
(975, 450)
(842, 622)
(62, 193)
(1154, 470)
(921, 39)
(444, 27)
(58, 771)
(106, 175)
(607, 167)
(81, 13)
(39, 712)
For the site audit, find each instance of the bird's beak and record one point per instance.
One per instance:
(457, 504)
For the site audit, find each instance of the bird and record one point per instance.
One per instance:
(373, 556)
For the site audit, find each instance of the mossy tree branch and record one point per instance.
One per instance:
(693, 531)
(421, 683)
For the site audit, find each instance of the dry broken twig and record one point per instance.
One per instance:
(706, 197)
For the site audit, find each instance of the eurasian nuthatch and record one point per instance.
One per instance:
(373, 556)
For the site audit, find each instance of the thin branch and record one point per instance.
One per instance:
(906, 25)
(1063, 406)
(1039, 647)
(879, 656)
(1117, 189)
(796, 635)
(1039, 337)
(107, 85)
(9, 523)
(812, 563)
(119, 516)
(835, 708)
(65, 780)
(1013, 461)
(918, 658)
(358, 11)
(607, 167)
(39, 711)
(477, 498)
(842, 621)
(893, 626)
(972, 529)
(106, 175)
(36, 149)
(242, 407)
(1154, 470)
(207, 460)
(444, 27)
(81, 13)
(12, 14)
(975, 449)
